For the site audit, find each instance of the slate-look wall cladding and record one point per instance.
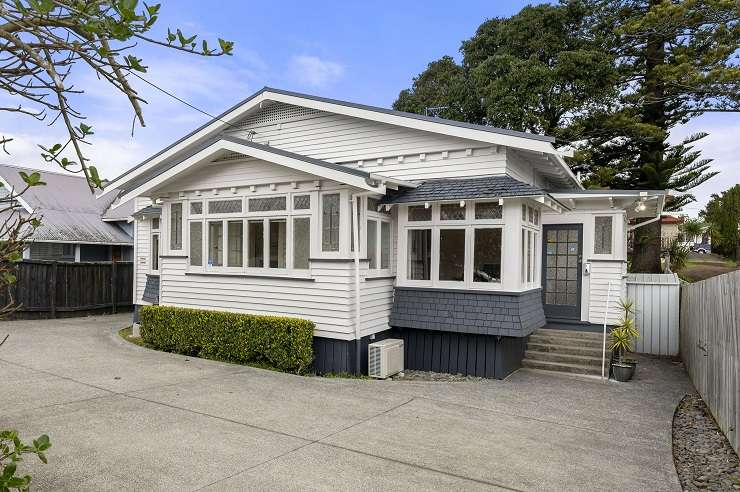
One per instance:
(483, 313)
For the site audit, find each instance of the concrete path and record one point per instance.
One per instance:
(121, 417)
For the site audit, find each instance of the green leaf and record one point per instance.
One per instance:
(9, 278)
(226, 46)
(94, 177)
(33, 179)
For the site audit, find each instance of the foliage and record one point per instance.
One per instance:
(678, 254)
(283, 343)
(12, 450)
(622, 335)
(692, 228)
(722, 215)
(42, 41)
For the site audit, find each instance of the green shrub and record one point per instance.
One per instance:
(283, 343)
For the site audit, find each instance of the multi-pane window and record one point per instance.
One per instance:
(196, 208)
(301, 242)
(488, 211)
(233, 206)
(419, 261)
(268, 204)
(451, 211)
(176, 226)
(419, 213)
(235, 243)
(487, 255)
(301, 202)
(330, 222)
(196, 244)
(603, 235)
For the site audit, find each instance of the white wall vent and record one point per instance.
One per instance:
(275, 113)
(385, 358)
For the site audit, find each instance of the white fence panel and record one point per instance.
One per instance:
(657, 300)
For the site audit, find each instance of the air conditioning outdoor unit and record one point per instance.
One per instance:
(385, 358)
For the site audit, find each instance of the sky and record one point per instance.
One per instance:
(364, 52)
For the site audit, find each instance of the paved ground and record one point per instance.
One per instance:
(123, 417)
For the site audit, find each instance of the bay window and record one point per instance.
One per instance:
(487, 255)
(419, 261)
(452, 255)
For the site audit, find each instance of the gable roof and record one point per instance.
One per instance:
(464, 189)
(69, 211)
(482, 133)
(205, 152)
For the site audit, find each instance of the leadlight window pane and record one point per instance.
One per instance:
(451, 211)
(419, 254)
(488, 211)
(524, 213)
(235, 242)
(418, 213)
(225, 207)
(385, 245)
(215, 243)
(531, 214)
(155, 223)
(372, 204)
(536, 217)
(196, 244)
(301, 202)
(487, 255)
(278, 243)
(301, 242)
(256, 244)
(176, 226)
(155, 252)
(603, 236)
(452, 255)
(196, 208)
(330, 222)
(372, 243)
(267, 204)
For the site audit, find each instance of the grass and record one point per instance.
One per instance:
(127, 334)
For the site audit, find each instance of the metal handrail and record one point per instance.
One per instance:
(603, 347)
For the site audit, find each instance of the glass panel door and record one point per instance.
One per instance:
(561, 282)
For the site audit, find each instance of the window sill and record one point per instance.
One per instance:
(173, 256)
(252, 275)
(379, 277)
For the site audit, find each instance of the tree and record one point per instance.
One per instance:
(722, 215)
(42, 44)
(692, 228)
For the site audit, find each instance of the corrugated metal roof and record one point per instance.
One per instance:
(463, 189)
(68, 211)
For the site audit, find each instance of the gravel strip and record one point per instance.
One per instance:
(410, 375)
(703, 457)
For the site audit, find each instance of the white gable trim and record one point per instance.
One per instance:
(276, 158)
(357, 111)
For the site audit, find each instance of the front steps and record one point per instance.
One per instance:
(567, 351)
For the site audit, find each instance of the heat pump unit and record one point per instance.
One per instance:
(385, 358)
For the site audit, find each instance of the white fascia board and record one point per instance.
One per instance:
(566, 169)
(281, 160)
(427, 126)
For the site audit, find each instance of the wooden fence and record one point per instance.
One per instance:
(710, 347)
(656, 298)
(50, 288)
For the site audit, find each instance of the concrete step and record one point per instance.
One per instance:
(562, 367)
(564, 349)
(589, 335)
(536, 337)
(565, 358)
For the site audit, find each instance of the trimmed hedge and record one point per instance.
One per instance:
(282, 343)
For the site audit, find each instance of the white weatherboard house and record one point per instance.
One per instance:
(461, 239)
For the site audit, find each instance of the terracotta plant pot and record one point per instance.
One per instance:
(623, 372)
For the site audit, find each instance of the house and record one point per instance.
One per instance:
(75, 224)
(670, 229)
(462, 239)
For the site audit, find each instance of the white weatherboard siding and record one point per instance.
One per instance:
(376, 300)
(142, 250)
(602, 273)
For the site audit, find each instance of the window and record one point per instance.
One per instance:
(385, 245)
(531, 215)
(301, 242)
(225, 206)
(215, 243)
(256, 244)
(452, 255)
(196, 244)
(487, 255)
(536, 217)
(373, 205)
(269, 204)
(603, 235)
(419, 213)
(155, 252)
(488, 211)
(176, 226)
(451, 211)
(278, 243)
(529, 256)
(372, 243)
(330, 222)
(235, 242)
(196, 208)
(301, 202)
(524, 213)
(155, 223)
(419, 254)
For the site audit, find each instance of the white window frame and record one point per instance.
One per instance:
(155, 232)
(379, 218)
(532, 230)
(183, 219)
(613, 238)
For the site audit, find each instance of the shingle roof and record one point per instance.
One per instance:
(463, 189)
(68, 210)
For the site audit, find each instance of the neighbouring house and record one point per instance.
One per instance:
(670, 229)
(75, 224)
(461, 239)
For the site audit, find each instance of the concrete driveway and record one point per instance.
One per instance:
(121, 417)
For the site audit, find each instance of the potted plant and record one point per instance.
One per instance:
(620, 341)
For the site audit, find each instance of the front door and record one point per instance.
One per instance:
(561, 282)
